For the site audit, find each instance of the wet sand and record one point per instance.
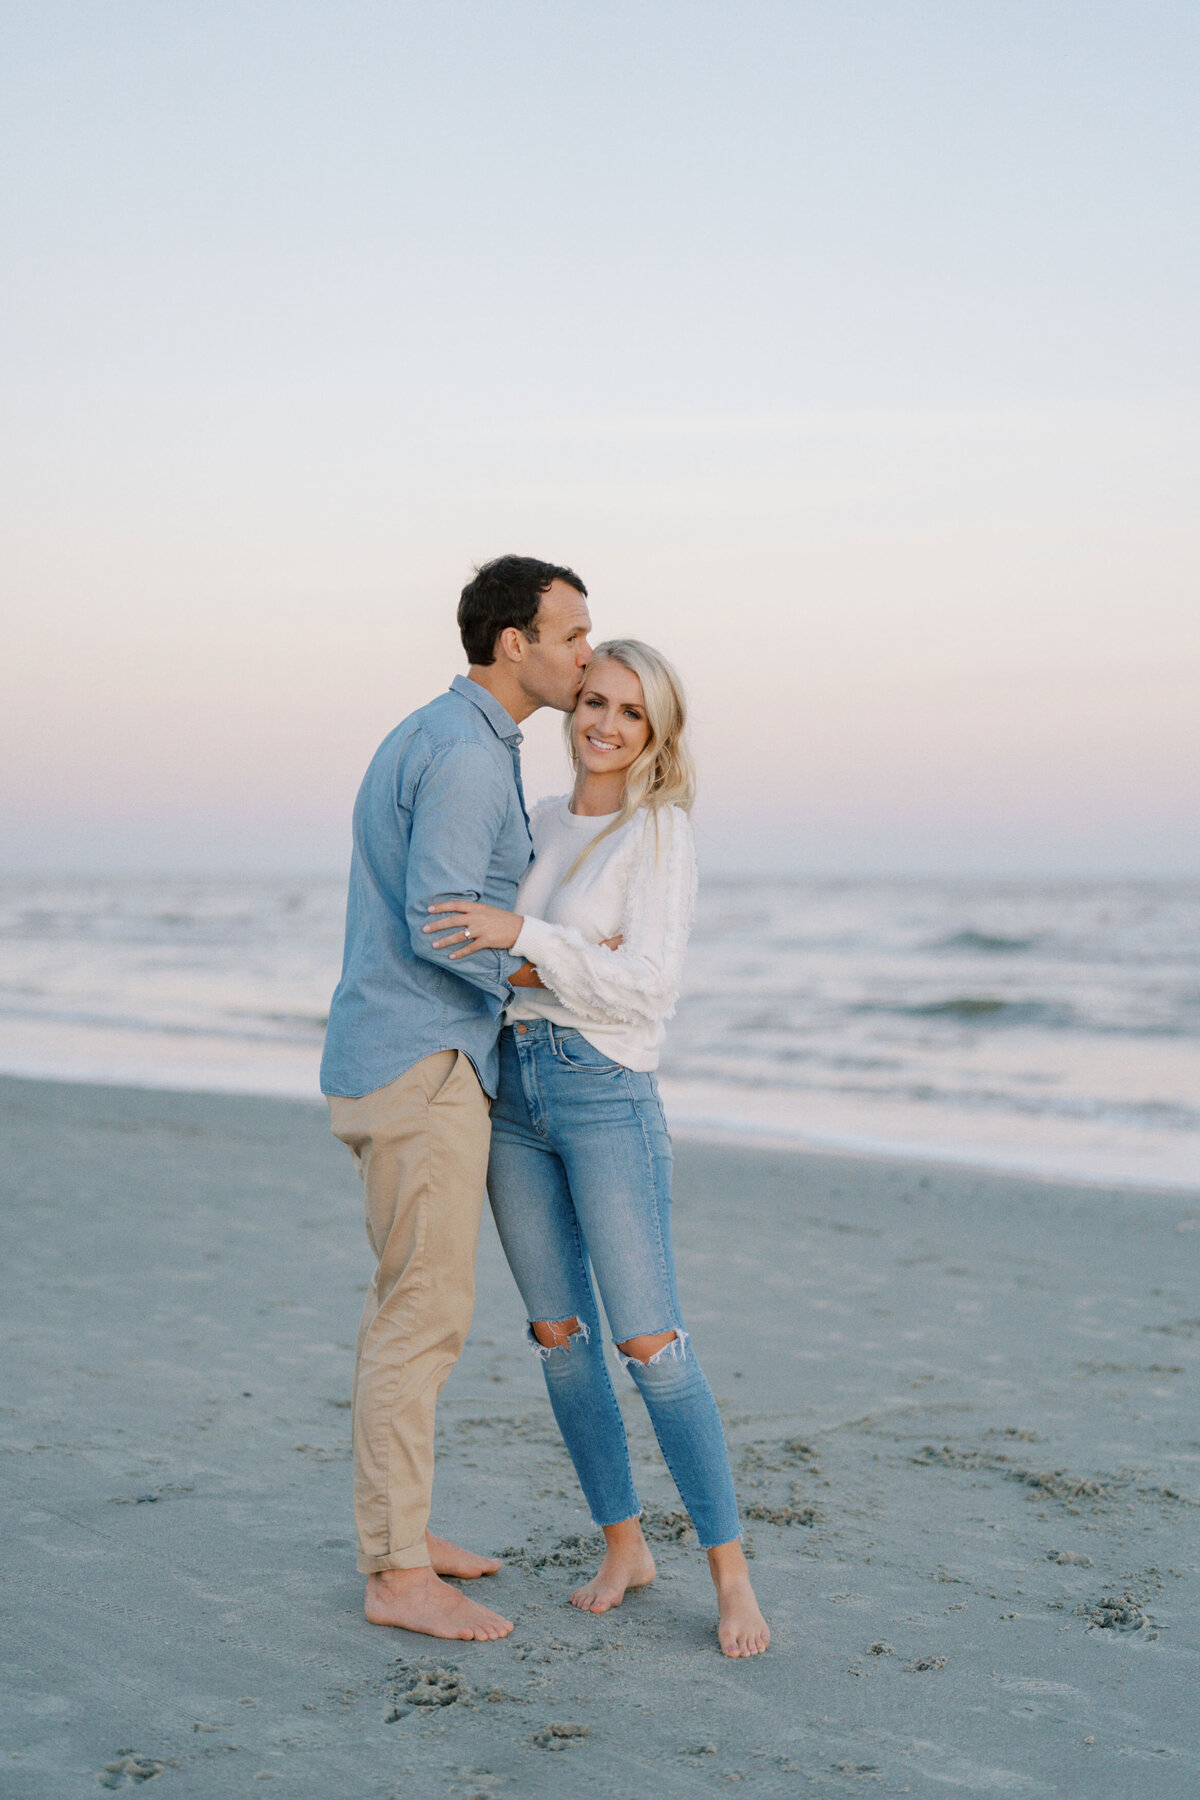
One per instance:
(963, 1413)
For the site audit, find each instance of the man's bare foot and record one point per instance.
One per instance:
(627, 1564)
(741, 1628)
(451, 1559)
(419, 1600)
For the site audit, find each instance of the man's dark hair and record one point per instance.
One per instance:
(506, 591)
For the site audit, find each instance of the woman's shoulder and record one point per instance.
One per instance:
(542, 811)
(672, 819)
(665, 830)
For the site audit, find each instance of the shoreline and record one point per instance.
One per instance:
(735, 1134)
(961, 1411)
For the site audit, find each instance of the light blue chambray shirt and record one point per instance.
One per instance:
(440, 815)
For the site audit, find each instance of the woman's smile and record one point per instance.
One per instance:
(610, 728)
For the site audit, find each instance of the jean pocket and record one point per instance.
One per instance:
(575, 1052)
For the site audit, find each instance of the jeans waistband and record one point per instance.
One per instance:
(530, 1030)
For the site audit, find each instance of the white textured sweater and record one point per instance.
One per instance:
(639, 884)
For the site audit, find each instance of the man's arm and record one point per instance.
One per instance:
(458, 811)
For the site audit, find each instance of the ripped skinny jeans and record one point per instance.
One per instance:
(579, 1174)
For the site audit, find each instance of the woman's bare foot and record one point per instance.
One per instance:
(741, 1628)
(419, 1600)
(627, 1564)
(451, 1559)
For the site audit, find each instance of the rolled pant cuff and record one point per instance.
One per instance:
(416, 1556)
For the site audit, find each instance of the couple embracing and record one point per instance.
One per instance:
(497, 1025)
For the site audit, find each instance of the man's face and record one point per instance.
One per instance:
(553, 664)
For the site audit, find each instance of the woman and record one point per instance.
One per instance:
(580, 1165)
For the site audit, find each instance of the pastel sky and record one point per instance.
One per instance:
(847, 349)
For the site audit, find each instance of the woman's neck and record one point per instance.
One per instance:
(596, 795)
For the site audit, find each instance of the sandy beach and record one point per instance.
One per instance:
(962, 1409)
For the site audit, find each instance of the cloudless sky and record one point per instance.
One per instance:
(847, 349)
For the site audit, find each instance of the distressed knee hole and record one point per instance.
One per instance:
(553, 1333)
(652, 1346)
(545, 1335)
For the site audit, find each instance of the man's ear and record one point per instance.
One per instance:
(510, 644)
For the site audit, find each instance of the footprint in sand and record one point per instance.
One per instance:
(128, 1769)
(424, 1684)
(558, 1737)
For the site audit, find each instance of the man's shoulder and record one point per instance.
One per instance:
(450, 719)
(440, 724)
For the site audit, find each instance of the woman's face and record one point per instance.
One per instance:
(609, 728)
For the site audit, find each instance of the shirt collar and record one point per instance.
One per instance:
(497, 716)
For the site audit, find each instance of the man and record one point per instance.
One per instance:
(411, 1056)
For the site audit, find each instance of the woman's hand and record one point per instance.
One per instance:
(474, 926)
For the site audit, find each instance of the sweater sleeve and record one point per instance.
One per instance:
(640, 981)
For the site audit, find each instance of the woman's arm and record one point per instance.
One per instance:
(475, 927)
(639, 981)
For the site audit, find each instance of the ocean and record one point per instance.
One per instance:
(1048, 1027)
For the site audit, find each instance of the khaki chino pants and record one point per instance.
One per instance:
(421, 1148)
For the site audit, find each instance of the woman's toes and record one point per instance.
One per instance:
(597, 1597)
(749, 1642)
(742, 1636)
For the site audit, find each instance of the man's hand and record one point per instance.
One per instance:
(474, 926)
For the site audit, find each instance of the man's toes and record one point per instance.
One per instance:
(467, 1564)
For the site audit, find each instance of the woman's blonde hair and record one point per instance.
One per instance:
(662, 774)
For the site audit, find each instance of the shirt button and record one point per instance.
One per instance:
(522, 1029)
